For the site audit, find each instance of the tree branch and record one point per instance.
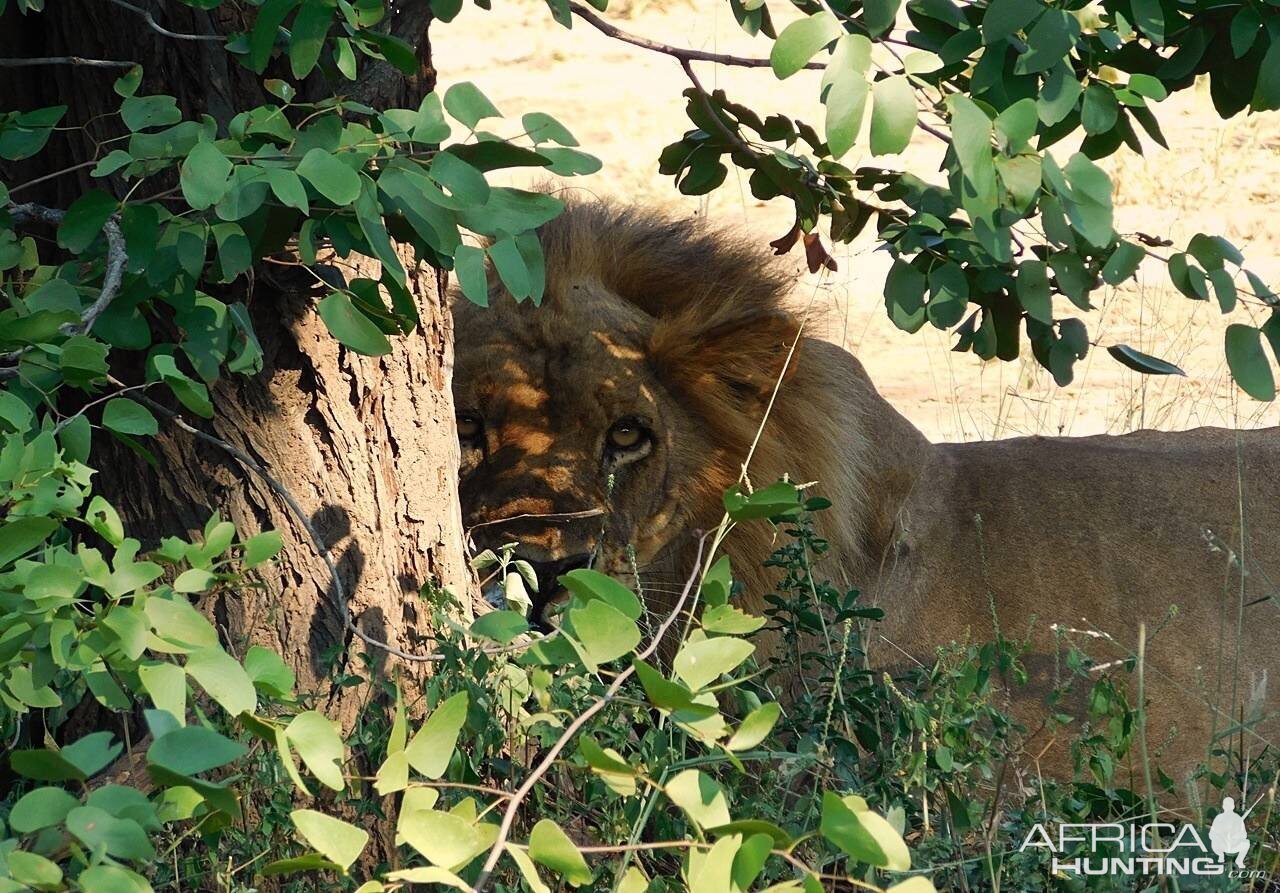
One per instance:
(160, 29)
(65, 60)
(112, 276)
(685, 55)
(513, 804)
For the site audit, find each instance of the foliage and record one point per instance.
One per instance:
(985, 252)
(586, 756)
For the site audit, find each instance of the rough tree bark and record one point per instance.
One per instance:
(367, 446)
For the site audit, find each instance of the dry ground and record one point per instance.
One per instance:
(624, 104)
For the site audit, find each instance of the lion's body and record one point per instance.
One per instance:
(660, 320)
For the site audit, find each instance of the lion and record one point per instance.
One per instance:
(603, 427)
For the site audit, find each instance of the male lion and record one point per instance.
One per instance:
(605, 425)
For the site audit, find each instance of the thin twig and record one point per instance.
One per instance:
(513, 805)
(65, 60)
(112, 276)
(734, 139)
(160, 29)
(682, 53)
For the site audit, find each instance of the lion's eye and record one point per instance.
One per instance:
(627, 434)
(469, 426)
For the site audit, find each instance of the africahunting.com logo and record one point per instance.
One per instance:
(1150, 849)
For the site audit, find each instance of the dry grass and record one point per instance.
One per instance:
(624, 104)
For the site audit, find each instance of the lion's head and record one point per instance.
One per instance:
(602, 427)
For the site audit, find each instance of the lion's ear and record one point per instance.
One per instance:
(741, 358)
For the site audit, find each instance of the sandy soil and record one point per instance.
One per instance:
(624, 105)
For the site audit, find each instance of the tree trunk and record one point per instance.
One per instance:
(365, 445)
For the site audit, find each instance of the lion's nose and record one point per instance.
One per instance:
(547, 573)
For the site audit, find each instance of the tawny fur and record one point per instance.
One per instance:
(688, 328)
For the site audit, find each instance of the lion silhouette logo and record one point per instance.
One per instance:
(1227, 834)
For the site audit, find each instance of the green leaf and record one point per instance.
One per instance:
(1122, 263)
(1006, 17)
(166, 683)
(197, 579)
(1089, 202)
(1148, 15)
(605, 633)
(141, 112)
(1033, 290)
(1187, 278)
(780, 498)
(369, 218)
(318, 743)
(268, 671)
(331, 178)
(465, 184)
(511, 268)
(800, 41)
(262, 547)
(1248, 362)
(971, 139)
(702, 799)
(127, 417)
(590, 584)
(1142, 362)
(351, 327)
(84, 220)
(904, 290)
(1049, 41)
(756, 727)
(306, 36)
(846, 101)
(190, 750)
(443, 838)
(1059, 95)
(192, 394)
(728, 620)
(19, 537)
(528, 870)
(287, 186)
(262, 40)
(550, 846)
(862, 834)
(123, 838)
(1148, 86)
(224, 679)
(112, 879)
(338, 841)
(175, 621)
(92, 753)
(700, 663)
(469, 269)
(432, 747)
(33, 870)
(127, 83)
(541, 128)
(1016, 125)
(205, 176)
(1213, 251)
(1244, 30)
(879, 15)
(948, 295)
(1101, 109)
(41, 808)
(468, 105)
(893, 115)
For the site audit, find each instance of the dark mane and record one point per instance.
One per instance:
(665, 265)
